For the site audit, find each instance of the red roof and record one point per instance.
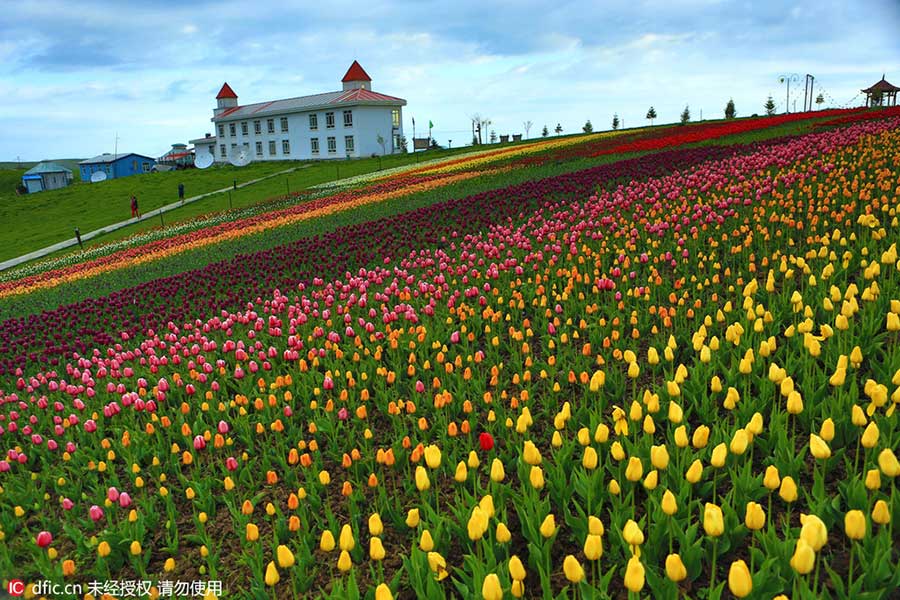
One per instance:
(882, 86)
(226, 92)
(360, 94)
(355, 73)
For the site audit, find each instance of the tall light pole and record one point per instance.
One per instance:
(787, 79)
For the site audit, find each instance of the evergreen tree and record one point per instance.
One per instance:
(651, 114)
(493, 137)
(685, 115)
(588, 128)
(615, 121)
(820, 99)
(545, 132)
(769, 106)
(730, 113)
(558, 129)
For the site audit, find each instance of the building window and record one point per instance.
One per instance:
(348, 118)
(258, 147)
(233, 149)
(134, 165)
(395, 117)
(272, 148)
(270, 125)
(313, 121)
(348, 143)
(314, 145)
(146, 167)
(257, 127)
(329, 120)
(284, 126)
(332, 145)
(247, 147)
(285, 147)
(222, 150)
(221, 130)
(396, 141)
(243, 127)
(231, 131)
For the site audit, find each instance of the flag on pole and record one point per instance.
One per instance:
(414, 121)
(430, 124)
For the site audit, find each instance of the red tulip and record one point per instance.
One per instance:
(486, 441)
(199, 442)
(44, 539)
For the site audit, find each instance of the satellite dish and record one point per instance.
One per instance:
(204, 160)
(240, 157)
(98, 177)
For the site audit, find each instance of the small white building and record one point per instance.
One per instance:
(354, 122)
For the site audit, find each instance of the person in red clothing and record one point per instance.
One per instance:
(134, 207)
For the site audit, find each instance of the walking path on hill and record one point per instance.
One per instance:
(7, 264)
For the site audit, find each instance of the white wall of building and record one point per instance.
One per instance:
(367, 123)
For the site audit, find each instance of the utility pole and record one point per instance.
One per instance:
(786, 79)
(808, 92)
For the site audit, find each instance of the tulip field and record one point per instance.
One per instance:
(674, 375)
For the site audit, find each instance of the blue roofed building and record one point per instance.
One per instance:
(116, 165)
(46, 176)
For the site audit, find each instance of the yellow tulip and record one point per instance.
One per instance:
(346, 541)
(694, 472)
(573, 570)
(855, 524)
(104, 549)
(669, 503)
(590, 459)
(422, 481)
(795, 403)
(819, 447)
(326, 542)
(412, 518)
(826, 432)
(713, 523)
(659, 457)
(634, 470)
(462, 473)
(548, 526)
(530, 454)
(432, 456)
(477, 525)
(344, 563)
(813, 530)
(755, 517)
(135, 548)
(595, 526)
(676, 414)
(755, 426)
(880, 513)
(285, 557)
(376, 549)
(383, 592)
(375, 524)
(617, 451)
(675, 569)
(598, 379)
(700, 437)
(614, 487)
(491, 589)
(593, 547)
(804, 557)
(681, 438)
(719, 454)
(169, 566)
(438, 565)
(651, 480)
(739, 442)
(870, 436)
(252, 533)
(632, 533)
(516, 569)
(873, 479)
(473, 460)
(426, 544)
(634, 575)
(498, 474)
(887, 462)
(771, 480)
(858, 416)
(788, 489)
(272, 576)
(503, 535)
(739, 580)
(536, 477)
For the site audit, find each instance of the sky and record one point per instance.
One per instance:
(74, 76)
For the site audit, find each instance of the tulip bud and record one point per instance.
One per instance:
(383, 592)
(813, 531)
(855, 524)
(252, 533)
(870, 436)
(498, 474)
(739, 442)
(739, 580)
(426, 544)
(694, 472)
(713, 523)
(634, 575)
(804, 557)
(516, 569)
(573, 570)
(462, 473)
(827, 430)
(675, 569)
(880, 513)
(772, 480)
(595, 526)
(819, 447)
(536, 477)
(432, 456)
(659, 457)
(593, 547)
(412, 518)
(491, 589)
(326, 542)
(887, 462)
(376, 549)
(548, 526)
(700, 437)
(272, 576)
(755, 517)
(422, 481)
(531, 455)
(135, 548)
(632, 533)
(634, 470)
(669, 504)
(719, 454)
(788, 490)
(503, 535)
(344, 563)
(285, 557)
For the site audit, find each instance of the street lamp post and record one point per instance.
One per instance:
(787, 79)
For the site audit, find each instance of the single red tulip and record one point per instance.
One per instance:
(486, 441)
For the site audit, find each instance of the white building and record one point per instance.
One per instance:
(354, 122)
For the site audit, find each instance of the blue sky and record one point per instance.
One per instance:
(72, 75)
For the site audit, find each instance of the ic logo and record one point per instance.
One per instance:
(16, 587)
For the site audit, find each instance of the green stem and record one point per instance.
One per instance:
(850, 569)
(712, 577)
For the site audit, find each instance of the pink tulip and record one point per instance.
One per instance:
(222, 427)
(124, 500)
(67, 504)
(199, 442)
(113, 494)
(44, 539)
(231, 463)
(96, 513)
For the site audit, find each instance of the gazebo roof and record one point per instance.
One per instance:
(882, 86)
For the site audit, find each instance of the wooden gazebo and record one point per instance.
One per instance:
(881, 94)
